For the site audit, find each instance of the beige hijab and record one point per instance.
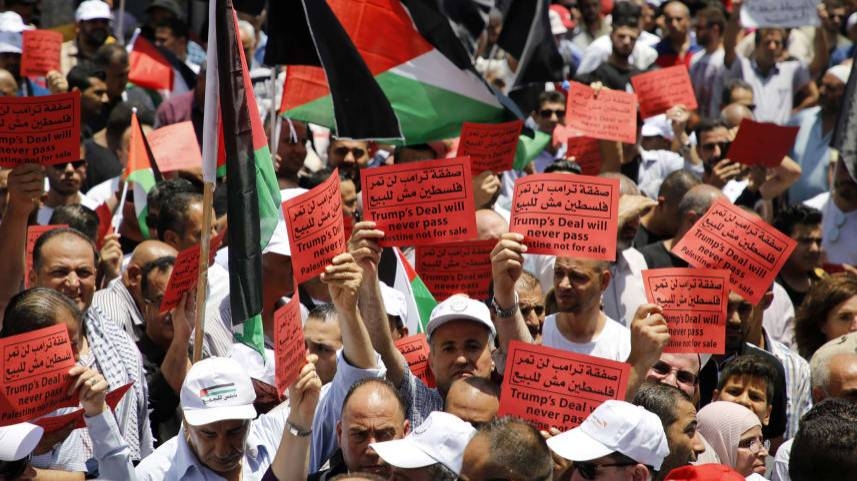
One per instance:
(722, 423)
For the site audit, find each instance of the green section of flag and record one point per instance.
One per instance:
(529, 148)
(424, 300)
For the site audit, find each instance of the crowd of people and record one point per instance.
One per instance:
(780, 403)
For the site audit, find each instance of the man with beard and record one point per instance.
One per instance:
(65, 181)
(617, 71)
(349, 156)
(812, 145)
(678, 416)
(291, 151)
(90, 81)
(839, 214)
(92, 26)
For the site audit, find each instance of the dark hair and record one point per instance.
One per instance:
(166, 189)
(36, 308)
(757, 39)
(825, 446)
(796, 214)
(707, 125)
(551, 96)
(120, 119)
(661, 399)
(726, 93)
(751, 365)
(714, 17)
(77, 217)
(174, 214)
(676, 185)
(563, 165)
(178, 26)
(79, 75)
(517, 449)
(161, 264)
(626, 14)
(822, 297)
(323, 313)
(109, 53)
(314, 179)
(383, 384)
(47, 236)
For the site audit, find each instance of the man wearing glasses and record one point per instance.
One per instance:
(549, 114)
(618, 441)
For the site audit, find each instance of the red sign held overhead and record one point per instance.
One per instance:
(416, 350)
(40, 52)
(609, 115)
(759, 143)
(659, 90)
(289, 347)
(448, 269)
(490, 146)
(40, 130)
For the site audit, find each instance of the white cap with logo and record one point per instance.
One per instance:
(615, 426)
(217, 389)
(19, 440)
(459, 307)
(441, 438)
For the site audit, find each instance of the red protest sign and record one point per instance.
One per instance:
(316, 232)
(556, 388)
(40, 52)
(40, 130)
(289, 347)
(586, 152)
(35, 378)
(55, 423)
(416, 351)
(185, 273)
(448, 269)
(658, 90)
(421, 203)
(760, 143)
(175, 147)
(694, 303)
(727, 237)
(490, 146)
(33, 234)
(562, 214)
(611, 115)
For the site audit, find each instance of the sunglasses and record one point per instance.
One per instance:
(355, 151)
(14, 469)
(590, 470)
(526, 310)
(547, 113)
(75, 165)
(684, 377)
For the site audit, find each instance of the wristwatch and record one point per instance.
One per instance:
(504, 313)
(296, 430)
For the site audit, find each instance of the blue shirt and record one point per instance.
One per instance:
(811, 151)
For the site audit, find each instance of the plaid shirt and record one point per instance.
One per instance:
(798, 384)
(420, 399)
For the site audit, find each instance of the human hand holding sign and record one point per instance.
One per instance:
(485, 188)
(343, 278)
(364, 248)
(25, 184)
(507, 264)
(304, 394)
(92, 389)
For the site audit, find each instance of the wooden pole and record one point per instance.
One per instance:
(202, 284)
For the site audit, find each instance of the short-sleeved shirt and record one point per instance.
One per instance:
(773, 93)
(613, 342)
(668, 57)
(706, 76)
(811, 151)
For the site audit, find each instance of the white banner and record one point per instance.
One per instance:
(779, 13)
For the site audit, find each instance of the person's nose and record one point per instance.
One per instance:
(72, 279)
(853, 323)
(670, 379)
(698, 445)
(744, 400)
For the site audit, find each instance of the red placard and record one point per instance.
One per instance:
(760, 143)
(185, 273)
(560, 214)
(586, 152)
(612, 115)
(421, 203)
(316, 231)
(289, 347)
(40, 52)
(33, 234)
(694, 302)
(55, 423)
(556, 388)
(727, 237)
(40, 130)
(448, 269)
(35, 378)
(416, 351)
(659, 90)
(490, 146)
(175, 147)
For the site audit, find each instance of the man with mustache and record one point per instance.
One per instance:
(92, 27)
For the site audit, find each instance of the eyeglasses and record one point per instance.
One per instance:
(683, 377)
(754, 445)
(14, 469)
(75, 165)
(527, 309)
(355, 151)
(590, 470)
(547, 113)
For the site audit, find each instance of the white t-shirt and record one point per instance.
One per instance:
(613, 342)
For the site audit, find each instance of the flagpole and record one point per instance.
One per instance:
(204, 255)
(120, 23)
(118, 214)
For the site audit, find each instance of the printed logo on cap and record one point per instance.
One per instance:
(220, 392)
(459, 305)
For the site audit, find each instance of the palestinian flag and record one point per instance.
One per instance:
(419, 300)
(252, 190)
(139, 171)
(430, 93)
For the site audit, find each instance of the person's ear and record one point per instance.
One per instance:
(661, 201)
(767, 299)
(715, 394)
(639, 473)
(606, 277)
(171, 238)
(406, 427)
(133, 275)
(339, 433)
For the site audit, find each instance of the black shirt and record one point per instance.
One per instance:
(611, 76)
(163, 401)
(101, 165)
(657, 256)
(645, 237)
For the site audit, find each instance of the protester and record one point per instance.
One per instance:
(824, 446)
(92, 30)
(803, 268)
(735, 433)
(507, 448)
(829, 311)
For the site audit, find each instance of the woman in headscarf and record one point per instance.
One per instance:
(735, 433)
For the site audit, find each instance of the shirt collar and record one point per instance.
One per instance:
(119, 288)
(774, 70)
(185, 462)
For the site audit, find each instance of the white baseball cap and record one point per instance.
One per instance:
(19, 440)
(11, 42)
(615, 426)
(657, 126)
(12, 22)
(441, 438)
(279, 243)
(255, 366)
(394, 302)
(92, 10)
(217, 389)
(459, 307)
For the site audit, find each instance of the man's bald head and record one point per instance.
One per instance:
(490, 225)
(146, 252)
(694, 205)
(626, 185)
(473, 399)
(733, 113)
